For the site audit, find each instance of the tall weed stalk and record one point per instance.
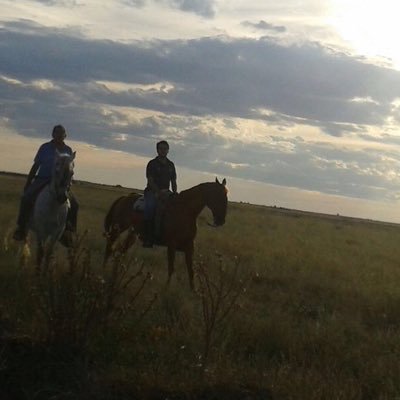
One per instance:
(219, 293)
(77, 299)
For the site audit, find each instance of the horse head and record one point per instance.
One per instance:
(217, 201)
(63, 171)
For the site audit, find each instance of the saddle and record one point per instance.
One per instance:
(159, 215)
(139, 204)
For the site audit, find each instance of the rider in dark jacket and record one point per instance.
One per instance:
(160, 174)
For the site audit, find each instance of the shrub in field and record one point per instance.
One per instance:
(74, 314)
(219, 293)
(77, 300)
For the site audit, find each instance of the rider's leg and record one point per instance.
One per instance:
(71, 223)
(149, 208)
(25, 208)
(158, 214)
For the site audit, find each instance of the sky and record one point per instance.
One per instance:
(296, 103)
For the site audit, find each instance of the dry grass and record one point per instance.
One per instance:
(320, 317)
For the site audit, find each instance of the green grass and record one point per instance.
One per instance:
(320, 318)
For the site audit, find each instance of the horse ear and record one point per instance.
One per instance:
(216, 180)
(73, 155)
(224, 182)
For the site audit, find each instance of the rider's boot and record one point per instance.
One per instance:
(66, 238)
(21, 231)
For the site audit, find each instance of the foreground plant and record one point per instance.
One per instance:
(219, 293)
(77, 299)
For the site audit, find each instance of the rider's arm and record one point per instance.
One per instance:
(38, 160)
(174, 186)
(150, 177)
(32, 173)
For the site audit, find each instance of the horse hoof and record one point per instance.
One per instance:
(66, 239)
(19, 235)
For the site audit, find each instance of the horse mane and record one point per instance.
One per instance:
(188, 192)
(193, 189)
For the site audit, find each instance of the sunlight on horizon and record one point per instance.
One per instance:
(371, 27)
(99, 165)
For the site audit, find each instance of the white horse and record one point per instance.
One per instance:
(52, 205)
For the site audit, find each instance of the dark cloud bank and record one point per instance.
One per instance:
(209, 78)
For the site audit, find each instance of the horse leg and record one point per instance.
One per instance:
(111, 237)
(107, 251)
(39, 255)
(189, 263)
(129, 240)
(42, 256)
(171, 260)
(47, 248)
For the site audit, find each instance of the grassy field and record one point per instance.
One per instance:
(289, 305)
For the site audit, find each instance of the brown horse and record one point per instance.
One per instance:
(179, 225)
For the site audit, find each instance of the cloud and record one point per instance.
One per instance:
(134, 3)
(200, 94)
(243, 78)
(264, 26)
(203, 8)
(201, 143)
(64, 3)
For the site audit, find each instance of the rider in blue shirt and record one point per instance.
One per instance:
(38, 177)
(44, 158)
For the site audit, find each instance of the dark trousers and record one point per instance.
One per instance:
(28, 199)
(150, 203)
(154, 210)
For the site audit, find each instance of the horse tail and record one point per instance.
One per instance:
(109, 217)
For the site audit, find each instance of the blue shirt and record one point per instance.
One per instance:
(45, 158)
